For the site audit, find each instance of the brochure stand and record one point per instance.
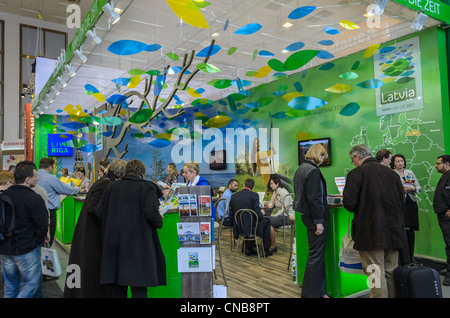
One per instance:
(196, 255)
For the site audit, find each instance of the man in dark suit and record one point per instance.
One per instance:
(247, 199)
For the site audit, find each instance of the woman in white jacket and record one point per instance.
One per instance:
(411, 186)
(281, 200)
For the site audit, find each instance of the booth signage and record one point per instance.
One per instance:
(399, 66)
(56, 147)
(432, 8)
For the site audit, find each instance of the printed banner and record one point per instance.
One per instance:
(399, 68)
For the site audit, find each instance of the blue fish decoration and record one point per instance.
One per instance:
(324, 55)
(331, 31)
(130, 47)
(298, 86)
(265, 53)
(306, 103)
(301, 12)
(116, 99)
(209, 51)
(159, 143)
(294, 46)
(159, 84)
(249, 29)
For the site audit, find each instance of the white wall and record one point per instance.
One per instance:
(12, 64)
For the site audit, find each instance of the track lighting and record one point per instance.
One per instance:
(114, 17)
(80, 55)
(420, 19)
(70, 70)
(93, 37)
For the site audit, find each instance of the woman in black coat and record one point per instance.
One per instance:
(311, 201)
(131, 251)
(86, 248)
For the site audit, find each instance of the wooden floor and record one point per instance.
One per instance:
(247, 279)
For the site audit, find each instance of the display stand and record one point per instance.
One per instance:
(339, 284)
(196, 284)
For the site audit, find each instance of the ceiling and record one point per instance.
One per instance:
(154, 22)
(51, 10)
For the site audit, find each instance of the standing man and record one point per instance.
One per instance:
(54, 188)
(375, 195)
(20, 254)
(233, 185)
(441, 206)
(384, 156)
(247, 199)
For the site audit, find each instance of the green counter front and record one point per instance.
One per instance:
(339, 284)
(66, 219)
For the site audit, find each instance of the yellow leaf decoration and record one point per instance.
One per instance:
(189, 12)
(134, 81)
(263, 72)
(339, 88)
(349, 25)
(371, 50)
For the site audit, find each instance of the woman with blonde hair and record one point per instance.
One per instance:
(173, 174)
(311, 201)
(6, 180)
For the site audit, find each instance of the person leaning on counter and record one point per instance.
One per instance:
(54, 188)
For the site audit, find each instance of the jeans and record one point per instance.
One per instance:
(22, 274)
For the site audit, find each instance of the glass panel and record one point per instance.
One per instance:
(26, 69)
(54, 42)
(30, 41)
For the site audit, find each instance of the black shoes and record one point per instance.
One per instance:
(446, 281)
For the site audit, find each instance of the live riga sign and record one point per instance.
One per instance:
(56, 147)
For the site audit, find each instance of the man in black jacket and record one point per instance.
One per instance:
(375, 195)
(247, 199)
(20, 254)
(441, 205)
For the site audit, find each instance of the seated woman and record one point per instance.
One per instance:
(280, 200)
(85, 182)
(65, 175)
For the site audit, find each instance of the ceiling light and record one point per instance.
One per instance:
(81, 56)
(93, 37)
(287, 25)
(70, 70)
(215, 34)
(284, 51)
(417, 25)
(114, 17)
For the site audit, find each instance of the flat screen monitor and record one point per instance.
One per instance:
(304, 145)
(217, 160)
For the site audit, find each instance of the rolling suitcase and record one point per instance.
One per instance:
(417, 281)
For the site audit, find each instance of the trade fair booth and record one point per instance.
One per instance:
(179, 81)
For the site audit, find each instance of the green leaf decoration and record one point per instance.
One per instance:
(141, 116)
(76, 143)
(153, 72)
(232, 50)
(136, 71)
(173, 56)
(90, 119)
(299, 59)
(276, 65)
(207, 68)
(111, 121)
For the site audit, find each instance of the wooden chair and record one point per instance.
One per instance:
(219, 235)
(251, 220)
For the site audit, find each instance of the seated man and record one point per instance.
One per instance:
(232, 188)
(247, 199)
